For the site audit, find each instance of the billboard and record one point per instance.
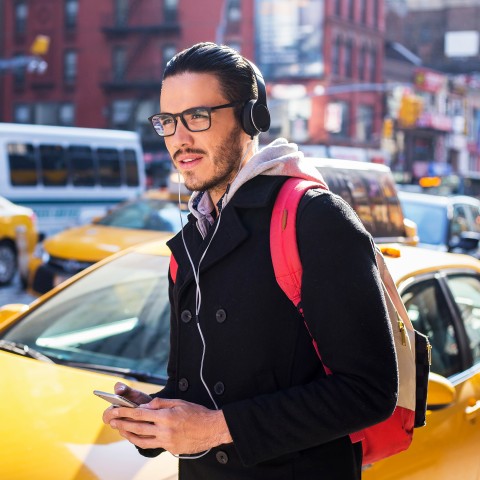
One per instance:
(289, 38)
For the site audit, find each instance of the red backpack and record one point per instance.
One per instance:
(412, 348)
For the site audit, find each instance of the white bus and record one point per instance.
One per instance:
(68, 175)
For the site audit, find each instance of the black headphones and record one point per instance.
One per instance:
(255, 116)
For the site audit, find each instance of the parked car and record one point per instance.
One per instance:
(18, 237)
(111, 322)
(450, 224)
(148, 217)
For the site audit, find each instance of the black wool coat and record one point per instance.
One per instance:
(287, 418)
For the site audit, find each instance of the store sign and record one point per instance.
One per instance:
(435, 121)
(429, 81)
(289, 37)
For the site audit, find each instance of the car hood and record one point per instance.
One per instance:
(91, 243)
(57, 412)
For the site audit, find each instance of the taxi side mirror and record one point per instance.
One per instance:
(441, 392)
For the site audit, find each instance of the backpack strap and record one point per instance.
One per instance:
(283, 237)
(173, 268)
(284, 251)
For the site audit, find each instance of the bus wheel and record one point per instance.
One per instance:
(8, 263)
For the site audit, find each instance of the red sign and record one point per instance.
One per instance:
(428, 80)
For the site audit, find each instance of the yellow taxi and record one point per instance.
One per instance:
(18, 237)
(111, 322)
(149, 217)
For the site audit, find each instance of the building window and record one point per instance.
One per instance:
(364, 123)
(170, 10)
(348, 59)
(45, 113)
(351, 9)
(122, 113)
(70, 66)
(336, 56)
(363, 64)
(373, 65)
(121, 12)
(375, 19)
(22, 113)
(337, 119)
(168, 51)
(363, 11)
(71, 13)
(66, 114)
(21, 15)
(338, 7)
(119, 62)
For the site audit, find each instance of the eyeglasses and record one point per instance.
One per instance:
(197, 119)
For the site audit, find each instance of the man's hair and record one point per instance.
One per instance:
(236, 76)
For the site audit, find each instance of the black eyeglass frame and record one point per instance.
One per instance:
(180, 115)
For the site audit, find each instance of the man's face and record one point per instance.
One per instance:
(210, 159)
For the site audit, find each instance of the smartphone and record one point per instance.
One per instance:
(114, 399)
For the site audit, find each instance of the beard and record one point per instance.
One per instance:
(226, 163)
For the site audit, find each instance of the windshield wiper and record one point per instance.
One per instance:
(124, 372)
(24, 350)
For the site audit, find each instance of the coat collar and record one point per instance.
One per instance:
(255, 193)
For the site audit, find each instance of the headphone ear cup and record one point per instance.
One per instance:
(261, 117)
(247, 121)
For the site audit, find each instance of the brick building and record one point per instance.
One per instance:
(106, 59)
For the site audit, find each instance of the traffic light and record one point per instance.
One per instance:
(40, 45)
(410, 108)
(388, 128)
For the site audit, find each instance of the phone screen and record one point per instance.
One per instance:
(115, 399)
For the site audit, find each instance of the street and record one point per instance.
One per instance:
(14, 293)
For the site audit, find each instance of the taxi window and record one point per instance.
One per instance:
(53, 163)
(23, 167)
(466, 291)
(429, 313)
(82, 166)
(109, 167)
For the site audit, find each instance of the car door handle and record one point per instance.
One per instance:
(472, 411)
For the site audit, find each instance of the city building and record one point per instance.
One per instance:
(105, 60)
(443, 137)
(322, 61)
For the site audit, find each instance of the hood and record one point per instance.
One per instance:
(279, 158)
(91, 243)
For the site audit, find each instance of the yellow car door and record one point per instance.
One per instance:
(447, 448)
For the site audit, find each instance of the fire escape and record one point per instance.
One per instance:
(135, 75)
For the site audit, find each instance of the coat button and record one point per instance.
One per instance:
(183, 384)
(219, 388)
(186, 316)
(221, 315)
(222, 457)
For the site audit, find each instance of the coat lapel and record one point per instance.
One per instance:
(230, 234)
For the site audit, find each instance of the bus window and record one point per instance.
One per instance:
(54, 165)
(82, 167)
(21, 159)
(109, 167)
(131, 168)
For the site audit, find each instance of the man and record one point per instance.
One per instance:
(247, 397)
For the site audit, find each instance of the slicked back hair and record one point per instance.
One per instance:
(234, 73)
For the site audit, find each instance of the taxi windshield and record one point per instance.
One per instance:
(114, 318)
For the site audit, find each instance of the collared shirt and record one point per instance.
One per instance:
(203, 204)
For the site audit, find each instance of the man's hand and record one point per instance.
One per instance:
(174, 425)
(134, 395)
